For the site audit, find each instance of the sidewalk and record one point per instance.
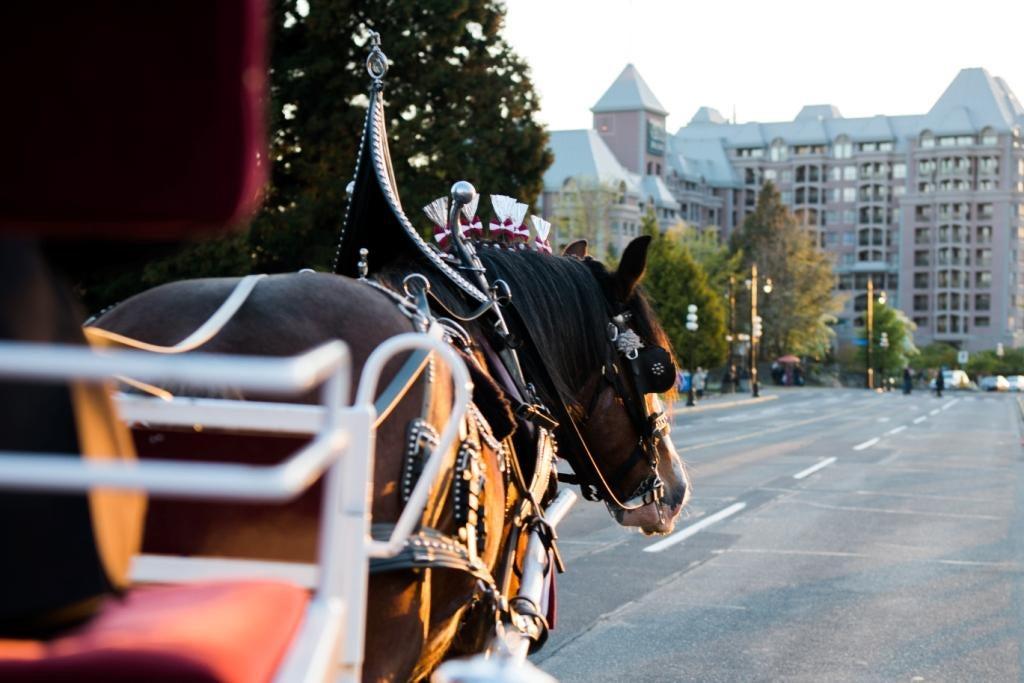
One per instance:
(723, 401)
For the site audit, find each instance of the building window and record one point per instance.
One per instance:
(927, 140)
(983, 258)
(983, 278)
(984, 210)
(921, 280)
(849, 194)
(922, 236)
(989, 137)
(984, 234)
(982, 321)
(920, 302)
(777, 152)
(770, 174)
(921, 322)
(982, 302)
(849, 172)
(921, 258)
(842, 148)
(848, 239)
(899, 170)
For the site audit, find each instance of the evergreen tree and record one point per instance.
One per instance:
(673, 281)
(798, 312)
(460, 105)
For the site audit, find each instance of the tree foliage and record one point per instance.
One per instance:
(989, 362)
(674, 280)
(460, 105)
(934, 355)
(718, 261)
(899, 331)
(801, 307)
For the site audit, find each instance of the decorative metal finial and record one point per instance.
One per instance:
(376, 61)
(350, 188)
(363, 266)
(463, 193)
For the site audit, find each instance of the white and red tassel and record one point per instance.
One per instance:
(521, 232)
(502, 227)
(543, 229)
(473, 227)
(437, 212)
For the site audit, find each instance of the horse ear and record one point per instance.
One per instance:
(577, 249)
(632, 266)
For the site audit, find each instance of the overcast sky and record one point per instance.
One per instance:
(764, 58)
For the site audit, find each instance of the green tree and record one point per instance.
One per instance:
(989, 362)
(717, 260)
(899, 332)
(801, 307)
(460, 105)
(934, 355)
(674, 280)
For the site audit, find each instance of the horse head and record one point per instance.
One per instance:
(605, 358)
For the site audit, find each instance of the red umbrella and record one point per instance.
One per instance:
(788, 359)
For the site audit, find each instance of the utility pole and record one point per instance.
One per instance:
(732, 333)
(871, 333)
(755, 324)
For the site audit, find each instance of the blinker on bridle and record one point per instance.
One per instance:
(651, 371)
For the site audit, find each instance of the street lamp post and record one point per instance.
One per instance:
(883, 342)
(732, 333)
(871, 330)
(692, 326)
(755, 328)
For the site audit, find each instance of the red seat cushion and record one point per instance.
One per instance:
(217, 631)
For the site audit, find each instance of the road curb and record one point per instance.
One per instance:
(727, 404)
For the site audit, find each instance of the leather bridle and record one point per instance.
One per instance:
(622, 372)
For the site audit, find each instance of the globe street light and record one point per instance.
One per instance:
(692, 326)
(755, 326)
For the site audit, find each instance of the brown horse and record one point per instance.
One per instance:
(563, 307)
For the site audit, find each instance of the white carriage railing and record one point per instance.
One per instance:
(329, 642)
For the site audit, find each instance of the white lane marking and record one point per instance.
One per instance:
(814, 468)
(679, 536)
(867, 444)
(883, 419)
(896, 430)
(935, 411)
(919, 420)
(950, 404)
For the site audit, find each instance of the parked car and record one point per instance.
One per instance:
(1016, 382)
(953, 379)
(994, 383)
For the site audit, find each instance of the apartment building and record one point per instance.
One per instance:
(930, 207)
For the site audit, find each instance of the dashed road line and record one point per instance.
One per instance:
(950, 404)
(680, 536)
(896, 430)
(867, 444)
(919, 420)
(934, 411)
(814, 468)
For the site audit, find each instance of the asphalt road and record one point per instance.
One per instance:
(896, 555)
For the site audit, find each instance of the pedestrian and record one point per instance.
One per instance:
(940, 383)
(700, 380)
(908, 380)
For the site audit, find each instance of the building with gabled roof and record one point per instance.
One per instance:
(930, 207)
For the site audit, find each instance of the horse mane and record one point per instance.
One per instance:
(562, 301)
